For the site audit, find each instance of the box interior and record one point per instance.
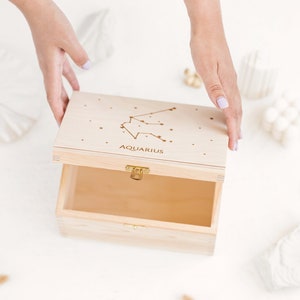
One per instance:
(161, 198)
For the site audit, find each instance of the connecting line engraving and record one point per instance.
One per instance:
(145, 124)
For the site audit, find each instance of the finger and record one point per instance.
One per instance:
(69, 74)
(53, 84)
(232, 130)
(64, 99)
(233, 113)
(77, 53)
(215, 90)
(218, 96)
(233, 116)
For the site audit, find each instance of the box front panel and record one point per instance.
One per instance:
(131, 234)
(153, 212)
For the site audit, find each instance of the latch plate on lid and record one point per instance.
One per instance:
(137, 172)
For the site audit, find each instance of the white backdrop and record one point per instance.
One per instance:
(261, 198)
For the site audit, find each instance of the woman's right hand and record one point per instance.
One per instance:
(54, 37)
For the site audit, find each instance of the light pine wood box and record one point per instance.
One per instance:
(143, 172)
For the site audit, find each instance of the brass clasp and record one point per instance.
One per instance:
(137, 172)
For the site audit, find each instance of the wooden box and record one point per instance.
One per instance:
(140, 171)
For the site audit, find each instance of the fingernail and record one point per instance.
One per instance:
(87, 65)
(222, 102)
(236, 146)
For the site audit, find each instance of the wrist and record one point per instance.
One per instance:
(205, 17)
(21, 4)
(28, 7)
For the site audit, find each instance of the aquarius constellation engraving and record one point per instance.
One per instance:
(148, 124)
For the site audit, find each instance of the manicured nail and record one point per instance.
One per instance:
(236, 146)
(87, 65)
(222, 102)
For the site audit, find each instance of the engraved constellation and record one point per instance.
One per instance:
(146, 121)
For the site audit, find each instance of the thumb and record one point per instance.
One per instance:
(78, 54)
(215, 91)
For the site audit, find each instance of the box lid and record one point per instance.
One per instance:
(171, 139)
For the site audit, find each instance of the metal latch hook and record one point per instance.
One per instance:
(137, 172)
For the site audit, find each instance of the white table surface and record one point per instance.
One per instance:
(261, 197)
